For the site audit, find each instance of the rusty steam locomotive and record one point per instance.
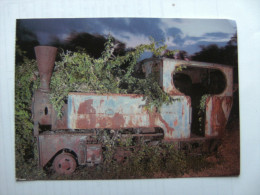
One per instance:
(67, 142)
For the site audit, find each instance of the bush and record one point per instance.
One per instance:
(77, 71)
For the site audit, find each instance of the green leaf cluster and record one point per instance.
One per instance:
(26, 81)
(79, 72)
(201, 112)
(142, 160)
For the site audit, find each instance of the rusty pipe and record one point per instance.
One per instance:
(45, 56)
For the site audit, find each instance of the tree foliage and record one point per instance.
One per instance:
(25, 42)
(26, 81)
(222, 55)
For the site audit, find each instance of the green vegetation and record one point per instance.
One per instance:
(201, 112)
(26, 81)
(77, 71)
(140, 160)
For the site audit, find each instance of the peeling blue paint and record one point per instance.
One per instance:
(177, 116)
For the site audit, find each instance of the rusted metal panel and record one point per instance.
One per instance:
(228, 71)
(170, 65)
(45, 56)
(51, 143)
(168, 71)
(94, 153)
(118, 111)
(176, 118)
(218, 108)
(44, 114)
(42, 108)
(60, 123)
(88, 110)
(217, 113)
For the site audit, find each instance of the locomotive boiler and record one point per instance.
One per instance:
(68, 141)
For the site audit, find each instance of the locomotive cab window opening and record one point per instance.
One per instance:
(199, 83)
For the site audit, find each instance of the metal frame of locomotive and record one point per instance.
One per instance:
(66, 149)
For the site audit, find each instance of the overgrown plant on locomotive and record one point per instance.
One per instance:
(201, 103)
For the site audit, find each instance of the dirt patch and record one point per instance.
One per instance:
(226, 160)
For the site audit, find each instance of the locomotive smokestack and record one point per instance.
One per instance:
(45, 56)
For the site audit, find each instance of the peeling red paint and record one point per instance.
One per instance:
(60, 123)
(94, 153)
(90, 121)
(86, 107)
(218, 118)
(152, 116)
(50, 144)
(176, 122)
(169, 130)
(101, 102)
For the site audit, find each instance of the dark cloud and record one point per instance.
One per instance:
(45, 29)
(148, 27)
(193, 38)
(137, 26)
(180, 39)
(217, 35)
(193, 48)
(179, 20)
(52, 25)
(48, 29)
(173, 31)
(176, 34)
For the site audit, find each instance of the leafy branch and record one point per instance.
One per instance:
(79, 72)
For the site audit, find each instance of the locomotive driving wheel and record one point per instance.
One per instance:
(64, 163)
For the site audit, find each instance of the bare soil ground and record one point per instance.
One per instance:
(226, 160)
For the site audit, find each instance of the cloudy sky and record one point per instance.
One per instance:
(182, 34)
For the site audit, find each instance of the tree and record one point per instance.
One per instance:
(222, 55)
(178, 55)
(25, 42)
(89, 43)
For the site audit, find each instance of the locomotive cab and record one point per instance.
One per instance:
(203, 92)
